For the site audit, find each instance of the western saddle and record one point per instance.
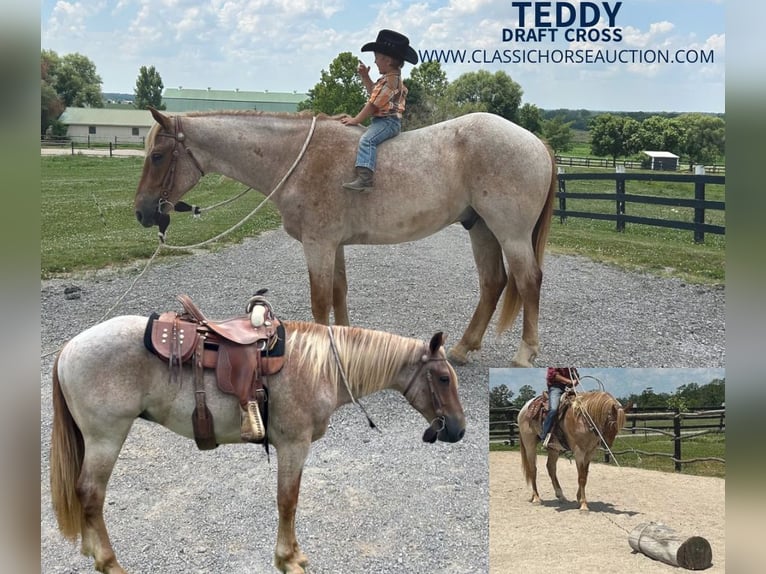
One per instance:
(539, 407)
(243, 350)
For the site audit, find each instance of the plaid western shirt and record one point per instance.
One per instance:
(388, 96)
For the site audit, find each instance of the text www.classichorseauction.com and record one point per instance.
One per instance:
(568, 56)
(590, 30)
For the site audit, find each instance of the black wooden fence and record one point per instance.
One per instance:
(608, 163)
(621, 198)
(676, 425)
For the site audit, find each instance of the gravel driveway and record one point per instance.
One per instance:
(370, 502)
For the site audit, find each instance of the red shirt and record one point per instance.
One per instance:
(568, 372)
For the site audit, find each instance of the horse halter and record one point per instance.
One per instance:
(167, 181)
(435, 400)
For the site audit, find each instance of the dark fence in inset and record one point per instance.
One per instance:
(678, 426)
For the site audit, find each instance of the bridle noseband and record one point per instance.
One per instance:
(169, 179)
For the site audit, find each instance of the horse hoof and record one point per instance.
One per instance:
(457, 356)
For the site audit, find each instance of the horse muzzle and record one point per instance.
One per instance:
(445, 429)
(148, 215)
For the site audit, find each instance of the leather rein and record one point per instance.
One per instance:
(437, 404)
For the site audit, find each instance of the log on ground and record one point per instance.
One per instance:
(663, 543)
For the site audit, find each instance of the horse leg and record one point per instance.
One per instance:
(98, 462)
(340, 289)
(583, 465)
(492, 279)
(320, 261)
(288, 557)
(528, 446)
(553, 457)
(526, 279)
(532, 462)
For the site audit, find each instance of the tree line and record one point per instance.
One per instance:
(72, 80)
(686, 397)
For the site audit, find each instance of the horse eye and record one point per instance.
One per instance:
(156, 157)
(444, 379)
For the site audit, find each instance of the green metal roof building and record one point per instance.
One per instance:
(189, 100)
(102, 125)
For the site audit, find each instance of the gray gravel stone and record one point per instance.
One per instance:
(370, 502)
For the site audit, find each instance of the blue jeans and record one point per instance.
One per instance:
(554, 398)
(379, 131)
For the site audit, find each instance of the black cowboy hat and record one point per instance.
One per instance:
(392, 44)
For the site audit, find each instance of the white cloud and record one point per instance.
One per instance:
(283, 44)
(634, 37)
(67, 18)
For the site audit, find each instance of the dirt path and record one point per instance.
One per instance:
(597, 541)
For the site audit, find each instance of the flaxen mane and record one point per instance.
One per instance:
(369, 358)
(603, 409)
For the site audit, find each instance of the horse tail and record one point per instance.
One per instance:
(543, 225)
(511, 300)
(525, 467)
(67, 451)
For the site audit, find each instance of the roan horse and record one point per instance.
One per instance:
(493, 176)
(105, 378)
(588, 413)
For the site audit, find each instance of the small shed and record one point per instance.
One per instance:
(104, 125)
(188, 100)
(662, 160)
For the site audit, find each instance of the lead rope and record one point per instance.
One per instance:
(257, 208)
(345, 380)
(212, 239)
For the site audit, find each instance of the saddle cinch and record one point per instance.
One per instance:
(243, 350)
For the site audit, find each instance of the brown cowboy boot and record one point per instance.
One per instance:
(363, 181)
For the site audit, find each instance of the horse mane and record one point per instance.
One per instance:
(370, 359)
(151, 137)
(606, 412)
(302, 115)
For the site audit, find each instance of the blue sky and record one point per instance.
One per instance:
(618, 382)
(282, 45)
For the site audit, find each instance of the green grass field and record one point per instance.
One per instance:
(87, 223)
(631, 451)
(87, 220)
(655, 249)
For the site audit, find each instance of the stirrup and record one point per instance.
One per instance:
(252, 429)
(552, 443)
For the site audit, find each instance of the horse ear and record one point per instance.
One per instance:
(436, 341)
(161, 119)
